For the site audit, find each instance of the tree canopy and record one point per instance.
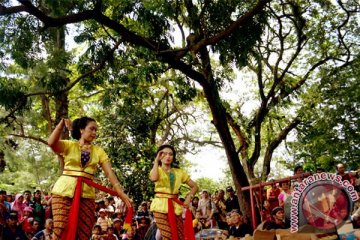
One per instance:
(139, 65)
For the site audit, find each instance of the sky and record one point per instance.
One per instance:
(209, 162)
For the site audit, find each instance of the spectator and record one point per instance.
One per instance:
(117, 224)
(212, 223)
(229, 220)
(198, 223)
(26, 220)
(277, 220)
(265, 212)
(46, 197)
(47, 232)
(111, 202)
(109, 213)
(35, 227)
(108, 207)
(4, 211)
(27, 198)
(110, 234)
(285, 199)
(284, 194)
(272, 196)
(18, 205)
(12, 230)
(298, 171)
(120, 205)
(143, 225)
(131, 234)
(220, 216)
(103, 220)
(205, 204)
(239, 228)
(143, 212)
(232, 200)
(6, 198)
(194, 205)
(38, 209)
(97, 233)
(9, 198)
(340, 168)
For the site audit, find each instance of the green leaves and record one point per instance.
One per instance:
(12, 92)
(330, 131)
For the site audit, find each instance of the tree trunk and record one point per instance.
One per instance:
(237, 171)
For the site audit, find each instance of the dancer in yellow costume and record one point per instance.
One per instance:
(80, 160)
(166, 207)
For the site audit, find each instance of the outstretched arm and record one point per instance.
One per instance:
(106, 166)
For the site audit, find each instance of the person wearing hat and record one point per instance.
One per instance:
(166, 206)
(277, 220)
(239, 228)
(117, 224)
(103, 220)
(231, 201)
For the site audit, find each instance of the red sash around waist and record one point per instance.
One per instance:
(188, 227)
(70, 231)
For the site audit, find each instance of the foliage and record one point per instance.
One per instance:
(139, 65)
(329, 133)
(208, 184)
(29, 170)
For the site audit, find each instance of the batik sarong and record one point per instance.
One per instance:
(61, 209)
(162, 223)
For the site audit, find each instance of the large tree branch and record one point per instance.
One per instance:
(237, 130)
(244, 145)
(274, 144)
(11, 10)
(203, 142)
(283, 94)
(30, 137)
(230, 29)
(60, 21)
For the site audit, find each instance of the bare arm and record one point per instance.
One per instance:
(154, 173)
(54, 139)
(193, 191)
(115, 183)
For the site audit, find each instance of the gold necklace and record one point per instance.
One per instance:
(85, 147)
(167, 170)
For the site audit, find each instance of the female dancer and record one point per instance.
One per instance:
(166, 206)
(73, 203)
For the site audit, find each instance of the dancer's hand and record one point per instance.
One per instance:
(68, 123)
(158, 157)
(187, 201)
(125, 198)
